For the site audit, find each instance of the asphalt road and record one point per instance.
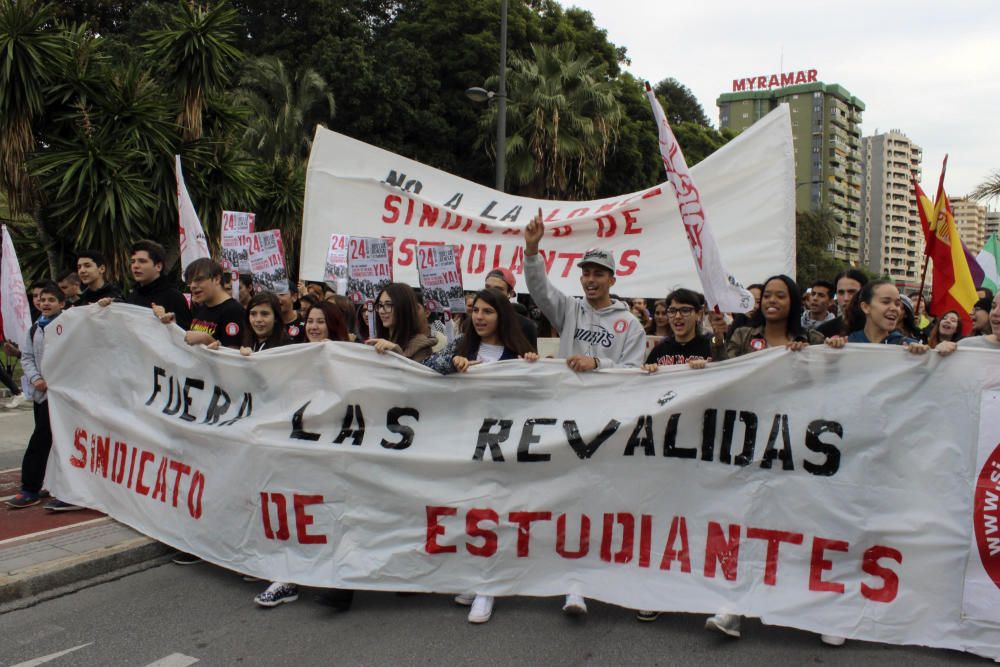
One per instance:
(174, 616)
(15, 429)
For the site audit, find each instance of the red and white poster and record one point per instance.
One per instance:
(237, 226)
(336, 262)
(369, 268)
(441, 278)
(981, 600)
(14, 310)
(267, 262)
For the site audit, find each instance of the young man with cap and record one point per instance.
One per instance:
(503, 279)
(597, 332)
(91, 267)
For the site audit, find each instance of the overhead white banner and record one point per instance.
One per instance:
(833, 495)
(747, 185)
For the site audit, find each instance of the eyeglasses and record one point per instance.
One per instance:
(673, 312)
(384, 307)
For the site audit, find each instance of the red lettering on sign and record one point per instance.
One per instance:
(434, 529)
(774, 539)
(722, 551)
(819, 564)
(303, 519)
(890, 580)
(475, 531)
(524, 521)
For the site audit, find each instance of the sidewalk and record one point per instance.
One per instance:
(46, 554)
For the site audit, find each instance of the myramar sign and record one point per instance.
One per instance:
(774, 80)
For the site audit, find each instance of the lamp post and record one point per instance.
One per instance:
(482, 95)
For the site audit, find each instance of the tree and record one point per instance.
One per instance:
(815, 232)
(286, 110)
(197, 53)
(32, 56)
(562, 121)
(679, 103)
(988, 189)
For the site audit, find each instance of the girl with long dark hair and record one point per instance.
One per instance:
(492, 332)
(777, 323)
(398, 324)
(948, 327)
(262, 328)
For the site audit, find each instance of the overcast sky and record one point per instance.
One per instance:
(928, 68)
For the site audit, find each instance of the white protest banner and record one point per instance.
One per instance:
(354, 188)
(336, 262)
(193, 242)
(982, 573)
(369, 268)
(440, 278)
(267, 262)
(722, 292)
(237, 226)
(827, 490)
(14, 311)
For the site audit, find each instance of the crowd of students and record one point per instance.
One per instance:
(596, 332)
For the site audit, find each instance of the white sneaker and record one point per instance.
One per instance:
(482, 609)
(726, 623)
(465, 599)
(575, 605)
(832, 640)
(16, 402)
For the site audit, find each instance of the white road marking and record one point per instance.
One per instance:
(174, 660)
(50, 657)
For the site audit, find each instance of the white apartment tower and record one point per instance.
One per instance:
(970, 218)
(891, 238)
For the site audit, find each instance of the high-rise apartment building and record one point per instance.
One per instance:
(970, 218)
(826, 135)
(992, 223)
(891, 237)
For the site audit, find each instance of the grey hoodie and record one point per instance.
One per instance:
(611, 334)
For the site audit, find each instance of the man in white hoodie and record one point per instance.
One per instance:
(597, 332)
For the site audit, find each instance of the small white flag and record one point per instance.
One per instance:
(194, 243)
(722, 291)
(13, 297)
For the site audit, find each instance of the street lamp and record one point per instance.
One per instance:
(500, 95)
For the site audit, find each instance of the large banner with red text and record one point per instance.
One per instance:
(747, 191)
(827, 490)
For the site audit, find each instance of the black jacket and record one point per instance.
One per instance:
(162, 294)
(89, 296)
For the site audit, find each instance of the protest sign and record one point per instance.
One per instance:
(440, 278)
(193, 242)
(15, 314)
(237, 226)
(369, 268)
(267, 262)
(747, 185)
(336, 263)
(767, 485)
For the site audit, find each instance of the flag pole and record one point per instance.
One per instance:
(927, 254)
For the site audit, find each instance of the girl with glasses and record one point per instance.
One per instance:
(398, 324)
(684, 344)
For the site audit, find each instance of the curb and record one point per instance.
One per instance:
(31, 585)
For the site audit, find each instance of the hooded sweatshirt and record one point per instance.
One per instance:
(109, 290)
(612, 334)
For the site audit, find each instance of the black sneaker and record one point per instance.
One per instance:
(22, 500)
(338, 598)
(181, 558)
(56, 505)
(647, 616)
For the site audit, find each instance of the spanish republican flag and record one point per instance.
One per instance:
(954, 287)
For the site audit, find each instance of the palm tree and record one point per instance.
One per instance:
(286, 108)
(198, 55)
(32, 56)
(562, 119)
(988, 189)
